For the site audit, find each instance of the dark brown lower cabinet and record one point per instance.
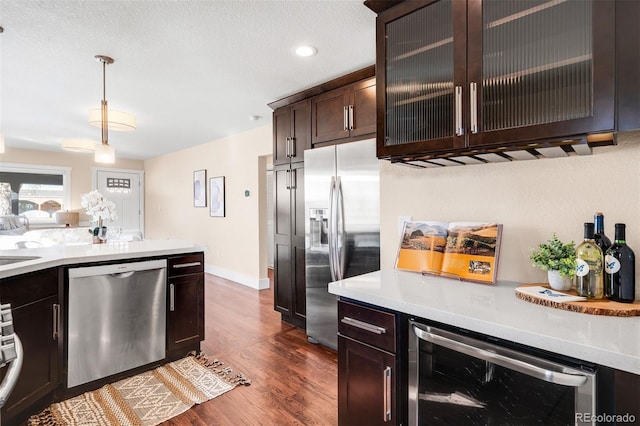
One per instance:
(366, 384)
(185, 309)
(627, 396)
(369, 373)
(36, 315)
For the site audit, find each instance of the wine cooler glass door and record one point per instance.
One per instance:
(455, 379)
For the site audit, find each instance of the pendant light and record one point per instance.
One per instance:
(104, 152)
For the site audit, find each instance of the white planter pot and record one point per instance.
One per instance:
(558, 282)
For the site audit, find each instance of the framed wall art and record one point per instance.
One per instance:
(200, 188)
(216, 196)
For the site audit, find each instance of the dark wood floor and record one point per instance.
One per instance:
(293, 381)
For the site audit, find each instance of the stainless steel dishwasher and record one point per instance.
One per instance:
(117, 318)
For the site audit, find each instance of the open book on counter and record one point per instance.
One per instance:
(464, 250)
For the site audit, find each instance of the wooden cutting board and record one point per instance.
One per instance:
(595, 307)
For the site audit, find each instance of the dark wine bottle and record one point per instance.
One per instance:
(601, 239)
(620, 269)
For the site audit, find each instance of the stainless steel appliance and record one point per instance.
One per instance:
(458, 379)
(117, 318)
(11, 353)
(342, 227)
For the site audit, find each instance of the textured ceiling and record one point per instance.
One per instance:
(191, 71)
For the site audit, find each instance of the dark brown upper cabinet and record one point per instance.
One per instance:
(347, 112)
(291, 132)
(458, 75)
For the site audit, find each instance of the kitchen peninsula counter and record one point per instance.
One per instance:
(494, 310)
(50, 257)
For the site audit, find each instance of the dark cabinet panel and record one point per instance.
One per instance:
(366, 384)
(627, 394)
(291, 132)
(343, 113)
(36, 316)
(185, 302)
(368, 369)
(289, 259)
(330, 116)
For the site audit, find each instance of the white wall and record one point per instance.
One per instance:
(233, 242)
(531, 198)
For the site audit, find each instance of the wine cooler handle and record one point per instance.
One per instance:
(387, 394)
(473, 99)
(458, 106)
(466, 346)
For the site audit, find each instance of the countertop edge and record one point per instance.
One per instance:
(53, 257)
(547, 342)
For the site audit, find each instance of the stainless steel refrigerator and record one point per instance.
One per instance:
(342, 227)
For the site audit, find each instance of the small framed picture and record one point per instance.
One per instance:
(200, 188)
(216, 196)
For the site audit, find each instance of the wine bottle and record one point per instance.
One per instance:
(589, 279)
(620, 269)
(601, 239)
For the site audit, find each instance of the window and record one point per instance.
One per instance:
(36, 192)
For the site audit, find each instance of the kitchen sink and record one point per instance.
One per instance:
(8, 260)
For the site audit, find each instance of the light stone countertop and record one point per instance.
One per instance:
(495, 310)
(50, 257)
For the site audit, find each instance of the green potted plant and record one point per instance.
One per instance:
(558, 259)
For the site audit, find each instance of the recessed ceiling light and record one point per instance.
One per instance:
(255, 117)
(305, 51)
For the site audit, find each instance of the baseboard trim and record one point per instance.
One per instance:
(258, 284)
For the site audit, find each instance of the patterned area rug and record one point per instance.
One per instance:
(148, 398)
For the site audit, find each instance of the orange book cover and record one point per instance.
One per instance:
(465, 250)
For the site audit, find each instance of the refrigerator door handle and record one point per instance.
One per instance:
(340, 232)
(332, 229)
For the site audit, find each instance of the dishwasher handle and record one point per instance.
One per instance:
(117, 268)
(501, 356)
(122, 274)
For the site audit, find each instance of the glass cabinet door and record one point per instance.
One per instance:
(420, 75)
(544, 69)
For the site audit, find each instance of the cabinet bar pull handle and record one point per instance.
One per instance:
(350, 117)
(345, 117)
(292, 150)
(172, 297)
(293, 179)
(387, 394)
(363, 325)
(186, 265)
(473, 99)
(458, 123)
(287, 149)
(56, 321)
(288, 180)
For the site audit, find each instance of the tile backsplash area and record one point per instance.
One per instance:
(531, 198)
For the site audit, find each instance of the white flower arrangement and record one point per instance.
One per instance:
(98, 207)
